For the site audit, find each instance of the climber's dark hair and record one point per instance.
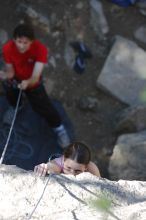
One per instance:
(78, 152)
(24, 30)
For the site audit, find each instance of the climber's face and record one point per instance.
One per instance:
(23, 44)
(72, 167)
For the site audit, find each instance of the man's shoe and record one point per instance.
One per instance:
(82, 49)
(63, 138)
(79, 65)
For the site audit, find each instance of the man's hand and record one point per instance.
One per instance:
(23, 85)
(36, 74)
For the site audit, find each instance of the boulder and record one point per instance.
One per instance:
(123, 74)
(128, 159)
(131, 120)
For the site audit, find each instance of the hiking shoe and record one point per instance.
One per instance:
(81, 48)
(79, 65)
(63, 138)
(9, 115)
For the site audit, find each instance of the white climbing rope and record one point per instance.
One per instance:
(11, 128)
(45, 186)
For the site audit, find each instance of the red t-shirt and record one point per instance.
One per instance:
(23, 63)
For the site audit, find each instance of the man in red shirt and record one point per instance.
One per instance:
(25, 58)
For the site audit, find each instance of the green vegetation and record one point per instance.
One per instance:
(104, 205)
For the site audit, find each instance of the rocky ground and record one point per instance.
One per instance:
(92, 111)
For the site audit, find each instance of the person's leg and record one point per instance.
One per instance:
(42, 105)
(12, 94)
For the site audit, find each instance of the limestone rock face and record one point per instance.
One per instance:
(60, 197)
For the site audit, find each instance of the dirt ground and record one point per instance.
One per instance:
(94, 127)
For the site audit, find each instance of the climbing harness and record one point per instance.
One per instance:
(11, 128)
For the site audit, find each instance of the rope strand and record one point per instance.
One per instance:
(12, 125)
(31, 214)
(45, 186)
